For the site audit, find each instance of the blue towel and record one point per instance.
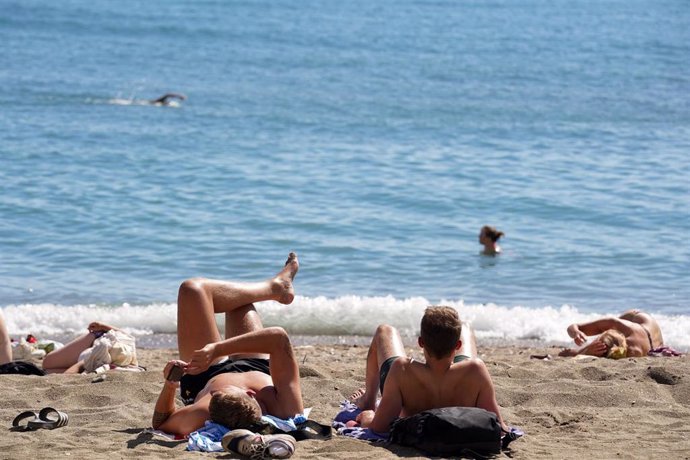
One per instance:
(348, 412)
(207, 439)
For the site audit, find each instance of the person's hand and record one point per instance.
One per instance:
(168, 367)
(576, 334)
(597, 348)
(365, 418)
(201, 359)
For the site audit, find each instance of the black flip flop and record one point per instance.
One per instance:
(16, 423)
(48, 418)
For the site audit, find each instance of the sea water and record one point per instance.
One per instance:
(373, 138)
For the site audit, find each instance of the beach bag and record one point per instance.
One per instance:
(450, 431)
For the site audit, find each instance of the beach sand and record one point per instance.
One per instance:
(568, 408)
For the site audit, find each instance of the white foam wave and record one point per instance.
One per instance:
(348, 315)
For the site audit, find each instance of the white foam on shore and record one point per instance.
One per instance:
(348, 315)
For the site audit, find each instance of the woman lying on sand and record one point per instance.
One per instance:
(635, 333)
(70, 358)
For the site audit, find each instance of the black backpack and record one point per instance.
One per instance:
(450, 431)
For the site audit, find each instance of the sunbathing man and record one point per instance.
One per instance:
(635, 333)
(230, 381)
(451, 376)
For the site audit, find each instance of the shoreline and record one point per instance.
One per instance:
(169, 341)
(568, 408)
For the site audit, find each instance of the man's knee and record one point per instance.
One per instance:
(191, 288)
(385, 330)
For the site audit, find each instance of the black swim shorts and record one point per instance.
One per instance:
(191, 385)
(383, 372)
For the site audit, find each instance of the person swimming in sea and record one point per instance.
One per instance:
(488, 237)
(166, 99)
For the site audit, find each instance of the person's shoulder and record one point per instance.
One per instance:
(469, 366)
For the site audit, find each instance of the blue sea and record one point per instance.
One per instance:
(374, 139)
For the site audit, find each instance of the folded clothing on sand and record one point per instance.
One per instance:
(114, 347)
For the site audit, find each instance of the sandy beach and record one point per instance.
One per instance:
(568, 408)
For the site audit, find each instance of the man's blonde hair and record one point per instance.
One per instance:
(440, 332)
(234, 410)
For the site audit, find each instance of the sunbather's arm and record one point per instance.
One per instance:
(284, 368)
(165, 405)
(579, 332)
(167, 417)
(391, 402)
(184, 420)
(486, 399)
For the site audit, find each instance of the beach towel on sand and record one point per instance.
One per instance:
(208, 438)
(348, 413)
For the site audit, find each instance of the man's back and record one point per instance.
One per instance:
(422, 389)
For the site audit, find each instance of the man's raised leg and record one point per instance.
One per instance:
(385, 344)
(5, 346)
(468, 349)
(199, 299)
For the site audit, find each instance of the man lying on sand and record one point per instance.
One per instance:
(230, 381)
(451, 376)
(635, 333)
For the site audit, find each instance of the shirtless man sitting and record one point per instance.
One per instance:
(633, 334)
(451, 376)
(230, 381)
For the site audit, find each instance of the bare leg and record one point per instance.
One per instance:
(469, 343)
(385, 344)
(199, 299)
(5, 346)
(67, 356)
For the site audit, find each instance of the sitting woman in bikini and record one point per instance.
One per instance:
(634, 334)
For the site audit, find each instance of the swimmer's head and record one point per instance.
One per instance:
(489, 235)
(616, 345)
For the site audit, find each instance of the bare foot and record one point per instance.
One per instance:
(362, 400)
(100, 327)
(282, 283)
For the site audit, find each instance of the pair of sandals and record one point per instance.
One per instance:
(47, 418)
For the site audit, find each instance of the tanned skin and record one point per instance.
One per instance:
(412, 386)
(200, 345)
